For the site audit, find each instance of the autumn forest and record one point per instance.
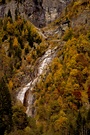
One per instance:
(61, 104)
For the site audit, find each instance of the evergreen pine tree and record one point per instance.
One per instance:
(78, 124)
(9, 14)
(5, 108)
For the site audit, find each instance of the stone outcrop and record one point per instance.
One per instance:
(39, 12)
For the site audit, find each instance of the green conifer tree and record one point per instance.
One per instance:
(5, 108)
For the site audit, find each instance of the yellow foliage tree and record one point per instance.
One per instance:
(15, 42)
(10, 28)
(10, 85)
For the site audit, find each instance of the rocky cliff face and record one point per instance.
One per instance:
(40, 12)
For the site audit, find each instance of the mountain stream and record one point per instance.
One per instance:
(25, 95)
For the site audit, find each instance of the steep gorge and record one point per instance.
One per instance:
(51, 71)
(26, 93)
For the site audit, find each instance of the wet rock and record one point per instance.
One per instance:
(25, 95)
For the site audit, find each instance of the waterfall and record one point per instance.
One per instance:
(22, 92)
(43, 65)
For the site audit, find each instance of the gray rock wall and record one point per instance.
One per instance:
(39, 12)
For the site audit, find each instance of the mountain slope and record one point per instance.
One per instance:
(62, 98)
(60, 86)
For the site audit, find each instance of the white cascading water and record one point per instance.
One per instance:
(22, 93)
(43, 64)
